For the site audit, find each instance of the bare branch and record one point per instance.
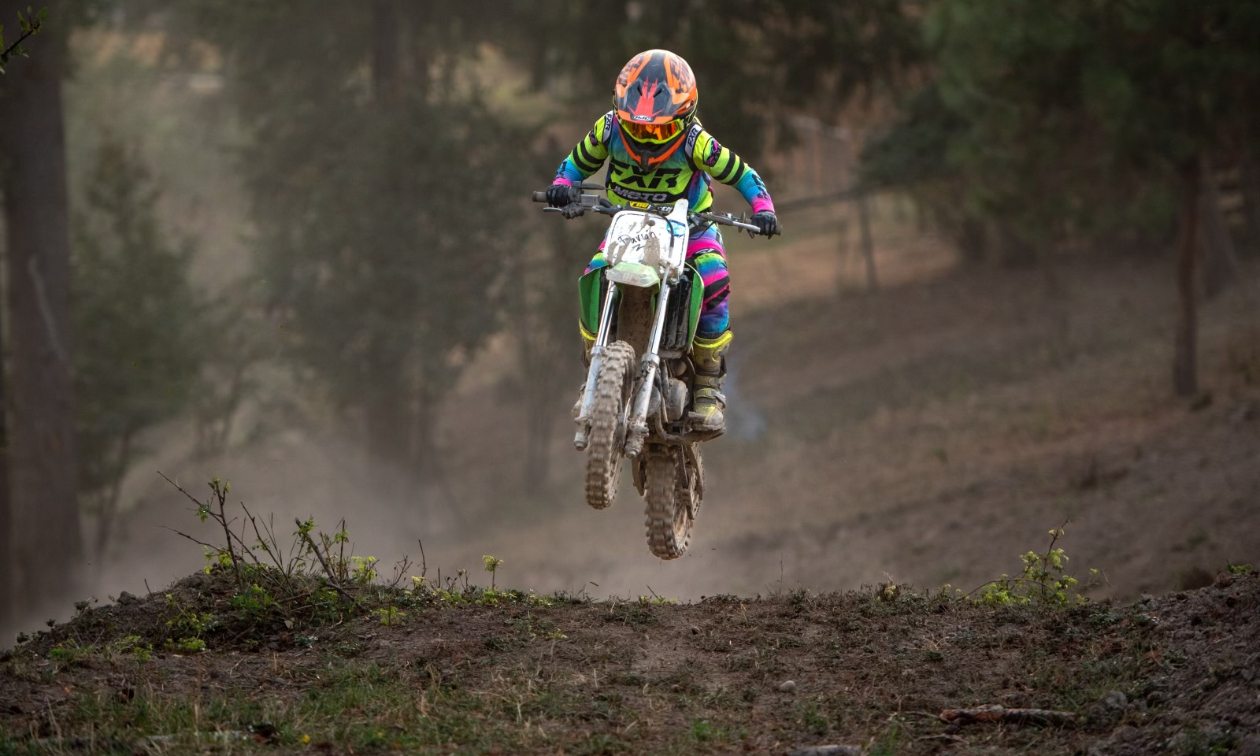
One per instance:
(219, 518)
(194, 540)
(320, 556)
(1000, 714)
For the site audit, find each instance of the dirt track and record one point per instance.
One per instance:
(873, 669)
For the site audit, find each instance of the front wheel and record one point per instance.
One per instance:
(673, 501)
(609, 408)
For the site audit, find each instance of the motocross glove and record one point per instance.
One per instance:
(572, 211)
(767, 221)
(559, 195)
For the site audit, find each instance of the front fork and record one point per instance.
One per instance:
(581, 438)
(649, 366)
(637, 422)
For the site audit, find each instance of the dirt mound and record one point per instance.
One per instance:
(1206, 696)
(483, 671)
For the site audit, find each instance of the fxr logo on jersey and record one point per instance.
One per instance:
(628, 174)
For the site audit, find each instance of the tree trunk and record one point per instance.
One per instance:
(1219, 260)
(549, 349)
(389, 418)
(109, 500)
(385, 50)
(423, 401)
(972, 240)
(862, 201)
(529, 347)
(1185, 360)
(47, 547)
(1015, 249)
(416, 53)
(427, 469)
(843, 251)
(1249, 182)
(7, 586)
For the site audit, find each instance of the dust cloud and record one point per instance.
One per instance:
(920, 387)
(929, 447)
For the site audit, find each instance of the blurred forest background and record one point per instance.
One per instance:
(288, 243)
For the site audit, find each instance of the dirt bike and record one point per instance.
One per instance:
(645, 303)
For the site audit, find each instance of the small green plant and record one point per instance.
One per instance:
(186, 645)
(530, 627)
(1239, 569)
(185, 621)
(1044, 580)
(364, 570)
(533, 599)
(389, 615)
(69, 653)
(812, 717)
(130, 645)
(313, 578)
(253, 603)
(889, 591)
(492, 565)
(31, 23)
(702, 731)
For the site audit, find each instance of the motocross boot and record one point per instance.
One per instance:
(588, 343)
(709, 357)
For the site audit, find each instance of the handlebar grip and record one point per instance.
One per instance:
(539, 196)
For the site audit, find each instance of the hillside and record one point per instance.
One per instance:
(195, 669)
(928, 434)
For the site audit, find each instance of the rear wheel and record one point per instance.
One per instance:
(609, 408)
(673, 501)
(690, 486)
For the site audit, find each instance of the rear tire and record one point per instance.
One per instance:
(673, 500)
(609, 408)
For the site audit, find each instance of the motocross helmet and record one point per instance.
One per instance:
(655, 98)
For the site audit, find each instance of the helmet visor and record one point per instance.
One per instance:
(652, 132)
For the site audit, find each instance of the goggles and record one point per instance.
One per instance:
(652, 132)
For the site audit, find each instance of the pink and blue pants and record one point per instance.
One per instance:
(704, 251)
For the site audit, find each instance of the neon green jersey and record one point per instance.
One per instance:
(686, 174)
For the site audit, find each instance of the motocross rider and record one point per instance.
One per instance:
(659, 153)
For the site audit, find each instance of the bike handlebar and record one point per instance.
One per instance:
(603, 206)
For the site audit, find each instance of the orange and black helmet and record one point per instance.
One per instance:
(656, 100)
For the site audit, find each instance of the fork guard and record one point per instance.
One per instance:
(680, 322)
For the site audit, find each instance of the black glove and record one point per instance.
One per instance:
(572, 211)
(767, 221)
(559, 195)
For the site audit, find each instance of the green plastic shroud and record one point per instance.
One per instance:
(592, 288)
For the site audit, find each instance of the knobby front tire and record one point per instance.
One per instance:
(609, 408)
